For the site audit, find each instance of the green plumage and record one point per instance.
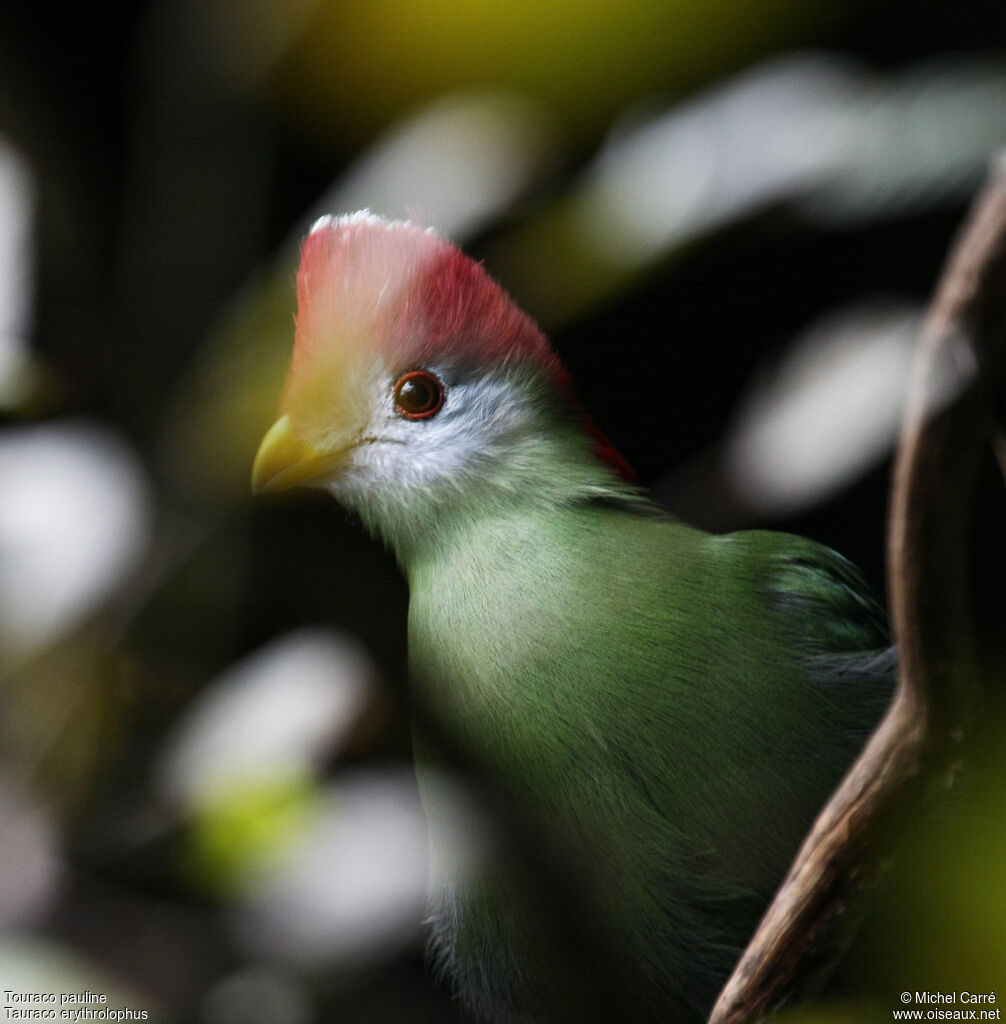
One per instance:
(676, 706)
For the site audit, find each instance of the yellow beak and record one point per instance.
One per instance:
(284, 460)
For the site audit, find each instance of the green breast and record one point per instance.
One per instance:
(649, 694)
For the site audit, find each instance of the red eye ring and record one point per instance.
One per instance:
(418, 395)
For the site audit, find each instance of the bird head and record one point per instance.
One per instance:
(414, 376)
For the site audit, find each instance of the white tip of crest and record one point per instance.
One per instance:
(373, 220)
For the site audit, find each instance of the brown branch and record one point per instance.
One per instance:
(948, 421)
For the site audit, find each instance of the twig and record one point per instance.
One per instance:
(948, 420)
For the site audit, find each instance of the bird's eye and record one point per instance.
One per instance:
(419, 395)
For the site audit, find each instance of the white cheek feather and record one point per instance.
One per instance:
(476, 438)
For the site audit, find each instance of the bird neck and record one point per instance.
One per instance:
(542, 474)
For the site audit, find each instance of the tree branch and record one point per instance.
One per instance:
(948, 420)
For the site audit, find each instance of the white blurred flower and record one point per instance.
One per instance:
(74, 523)
(828, 412)
(259, 993)
(29, 964)
(17, 203)
(274, 715)
(812, 130)
(30, 866)
(351, 888)
(455, 164)
(764, 136)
